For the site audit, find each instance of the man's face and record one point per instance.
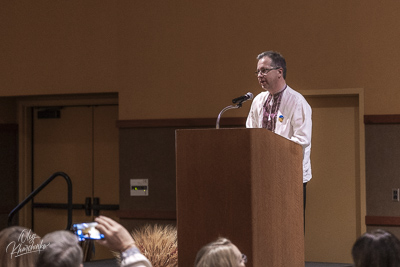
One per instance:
(267, 75)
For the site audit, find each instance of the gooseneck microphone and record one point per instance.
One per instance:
(241, 99)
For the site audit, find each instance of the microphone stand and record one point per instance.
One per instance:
(225, 109)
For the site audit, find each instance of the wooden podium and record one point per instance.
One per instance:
(242, 184)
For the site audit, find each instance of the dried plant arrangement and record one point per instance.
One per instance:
(157, 243)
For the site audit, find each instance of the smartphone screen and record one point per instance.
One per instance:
(87, 231)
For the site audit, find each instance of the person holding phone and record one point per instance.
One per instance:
(117, 238)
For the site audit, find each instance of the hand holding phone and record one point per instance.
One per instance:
(117, 238)
(87, 231)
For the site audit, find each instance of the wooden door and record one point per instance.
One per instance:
(83, 143)
(332, 194)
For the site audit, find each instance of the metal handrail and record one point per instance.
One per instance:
(37, 190)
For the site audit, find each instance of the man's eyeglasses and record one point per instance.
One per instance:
(264, 71)
(244, 258)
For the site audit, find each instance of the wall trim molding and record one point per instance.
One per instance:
(195, 122)
(382, 119)
(382, 221)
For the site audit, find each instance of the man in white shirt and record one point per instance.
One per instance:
(280, 109)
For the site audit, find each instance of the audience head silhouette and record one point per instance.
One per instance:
(10, 239)
(220, 253)
(376, 249)
(63, 251)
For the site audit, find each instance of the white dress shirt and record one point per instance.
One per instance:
(293, 122)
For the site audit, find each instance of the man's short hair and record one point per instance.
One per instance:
(63, 251)
(278, 61)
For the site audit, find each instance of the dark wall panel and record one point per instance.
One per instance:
(148, 153)
(8, 171)
(382, 168)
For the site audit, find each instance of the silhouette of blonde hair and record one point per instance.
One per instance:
(219, 253)
(13, 234)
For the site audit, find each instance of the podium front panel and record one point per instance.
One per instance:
(242, 184)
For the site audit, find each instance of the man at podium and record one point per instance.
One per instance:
(281, 109)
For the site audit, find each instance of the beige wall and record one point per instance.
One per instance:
(174, 59)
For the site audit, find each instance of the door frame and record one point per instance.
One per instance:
(355, 213)
(361, 201)
(24, 106)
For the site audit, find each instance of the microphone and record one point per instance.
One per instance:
(241, 99)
